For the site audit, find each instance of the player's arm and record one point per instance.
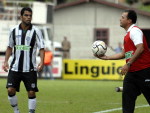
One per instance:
(7, 55)
(41, 64)
(40, 44)
(8, 51)
(138, 52)
(113, 57)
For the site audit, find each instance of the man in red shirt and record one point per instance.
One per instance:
(48, 59)
(137, 67)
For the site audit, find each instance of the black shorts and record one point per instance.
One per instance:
(29, 79)
(134, 84)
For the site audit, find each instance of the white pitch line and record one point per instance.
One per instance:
(116, 109)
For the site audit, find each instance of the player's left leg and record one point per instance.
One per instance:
(146, 94)
(145, 83)
(31, 101)
(30, 81)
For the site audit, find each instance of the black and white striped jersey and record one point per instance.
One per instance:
(25, 44)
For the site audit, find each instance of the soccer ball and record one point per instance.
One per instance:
(99, 48)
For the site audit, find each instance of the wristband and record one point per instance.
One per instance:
(129, 64)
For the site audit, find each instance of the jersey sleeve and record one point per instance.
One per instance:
(136, 36)
(40, 40)
(11, 41)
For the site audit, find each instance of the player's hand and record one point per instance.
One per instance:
(5, 66)
(103, 57)
(124, 69)
(40, 67)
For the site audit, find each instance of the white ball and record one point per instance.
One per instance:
(99, 48)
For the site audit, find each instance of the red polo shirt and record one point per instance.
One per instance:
(143, 60)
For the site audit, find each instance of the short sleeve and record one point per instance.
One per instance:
(11, 40)
(136, 36)
(40, 40)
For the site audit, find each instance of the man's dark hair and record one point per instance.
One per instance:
(25, 9)
(131, 15)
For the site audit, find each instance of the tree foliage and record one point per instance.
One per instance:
(131, 1)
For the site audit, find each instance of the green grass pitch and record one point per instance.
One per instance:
(71, 96)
